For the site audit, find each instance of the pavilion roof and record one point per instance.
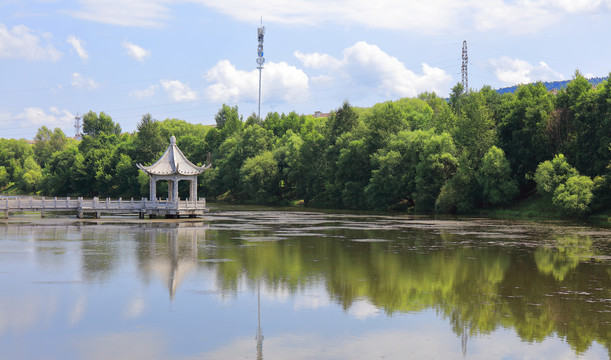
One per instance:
(173, 162)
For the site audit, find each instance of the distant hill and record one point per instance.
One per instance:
(552, 85)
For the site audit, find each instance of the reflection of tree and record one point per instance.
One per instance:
(564, 256)
(478, 289)
(99, 251)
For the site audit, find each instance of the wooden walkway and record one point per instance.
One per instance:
(80, 206)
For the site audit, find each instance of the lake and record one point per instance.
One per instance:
(270, 283)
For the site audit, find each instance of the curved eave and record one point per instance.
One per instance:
(198, 170)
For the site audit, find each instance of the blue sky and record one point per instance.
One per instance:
(185, 58)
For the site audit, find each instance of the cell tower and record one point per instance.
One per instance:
(77, 127)
(465, 61)
(260, 60)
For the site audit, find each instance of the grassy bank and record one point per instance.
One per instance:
(537, 206)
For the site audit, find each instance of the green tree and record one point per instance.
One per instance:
(13, 154)
(381, 121)
(309, 173)
(522, 131)
(574, 196)
(443, 119)
(31, 176)
(228, 120)
(47, 142)
(148, 143)
(60, 172)
(353, 173)
(590, 150)
(259, 176)
(232, 154)
(437, 163)
(94, 124)
(474, 132)
(286, 154)
(456, 96)
(550, 174)
(4, 177)
(461, 192)
(494, 177)
(341, 121)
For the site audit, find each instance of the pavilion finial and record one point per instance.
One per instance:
(172, 140)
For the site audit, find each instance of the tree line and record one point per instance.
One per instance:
(477, 149)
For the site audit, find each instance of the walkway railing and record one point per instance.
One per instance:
(97, 206)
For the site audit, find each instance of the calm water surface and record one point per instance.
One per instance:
(273, 284)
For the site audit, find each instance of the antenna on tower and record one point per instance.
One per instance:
(77, 127)
(465, 61)
(260, 59)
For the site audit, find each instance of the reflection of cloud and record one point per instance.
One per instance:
(280, 293)
(316, 300)
(76, 314)
(425, 342)
(135, 307)
(126, 345)
(363, 309)
(26, 312)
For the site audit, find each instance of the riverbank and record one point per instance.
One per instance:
(538, 207)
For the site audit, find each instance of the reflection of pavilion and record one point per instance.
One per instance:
(176, 261)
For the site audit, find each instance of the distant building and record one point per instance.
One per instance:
(320, 114)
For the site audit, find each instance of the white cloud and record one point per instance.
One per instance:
(369, 66)
(280, 81)
(78, 46)
(521, 16)
(138, 13)
(483, 15)
(36, 117)
(516, 71)
(573, 6)
(318, 61)
(406, 15)
(82, 82)
(148, 92)
(178, 91)
(21, 42)
(136, 52)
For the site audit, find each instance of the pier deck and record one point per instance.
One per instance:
(80, 206)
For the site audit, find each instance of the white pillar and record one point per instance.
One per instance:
(193, 192)
(170, 190)
(153, 188)
(175, 196)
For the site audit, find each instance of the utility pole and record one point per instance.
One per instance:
(465, 61)
(260, 60)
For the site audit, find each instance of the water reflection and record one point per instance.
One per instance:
(467, 285)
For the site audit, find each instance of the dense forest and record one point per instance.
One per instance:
(475, 150)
